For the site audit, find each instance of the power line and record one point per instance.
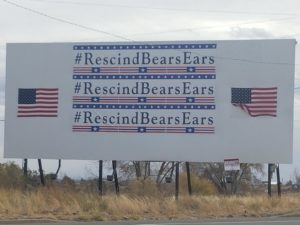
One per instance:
(139, 34)
(198, 10)
(127, 39)
(66, 21)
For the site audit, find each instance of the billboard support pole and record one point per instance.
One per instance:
(114, 164)
(25, 167)
(177, 181)
(188, 175)
(269, 179)
(100, 184)
(41, 172)
(278, 181)
(58, 168)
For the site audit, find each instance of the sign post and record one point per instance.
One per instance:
(25, 167)
(270, 172)
(188, 175)
(176, 180)
(41, 172)
(114, 165)
(278, 181)
(100, 182)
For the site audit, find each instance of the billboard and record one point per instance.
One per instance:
(183, 101)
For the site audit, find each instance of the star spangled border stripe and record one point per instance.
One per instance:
(142, 100)
(140, 106)
(145, 46)
(145, 77)
(144, 68)
(143, 129)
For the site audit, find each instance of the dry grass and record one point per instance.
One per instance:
(65, 203)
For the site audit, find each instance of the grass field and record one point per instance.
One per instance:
(64, 203)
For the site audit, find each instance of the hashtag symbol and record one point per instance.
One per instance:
(78, 58)
(77, 117)
(77, 87)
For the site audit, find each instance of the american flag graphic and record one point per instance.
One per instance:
(37, 102)
(256, 101)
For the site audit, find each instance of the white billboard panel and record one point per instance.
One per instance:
(181, 101)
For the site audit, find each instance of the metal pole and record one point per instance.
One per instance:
(269, 179)
(188, 174)
(149, 168)
(41, 172)
(25, 167)
(278, 181)
(177, 181)
(58, 168)
(114, 164)
(100, 187)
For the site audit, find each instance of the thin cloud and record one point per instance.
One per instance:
(253, 33)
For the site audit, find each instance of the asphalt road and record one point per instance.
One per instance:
(243, 221)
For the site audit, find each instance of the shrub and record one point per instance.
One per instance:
(11, 176)
(142, 187)
(200, 185)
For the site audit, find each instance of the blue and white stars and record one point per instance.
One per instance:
(146, 77)
(142, 99)
(95, 69)
(146, 106)
(95, 128)
(190, 99)
(143, 69)
(190, 130)
(141, 129)
(145, 46)
(145, 88)
(191, 69)
(95, 99)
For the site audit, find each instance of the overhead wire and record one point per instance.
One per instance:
(178, 30)
(191, 29)
(156, 8)
(128, 39)
(67, 21)
(198, 10)
(125, 38)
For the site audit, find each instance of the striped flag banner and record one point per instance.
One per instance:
(143, 100)
(141, 70)
(256, 101)
(37, 102)
(147, 129)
